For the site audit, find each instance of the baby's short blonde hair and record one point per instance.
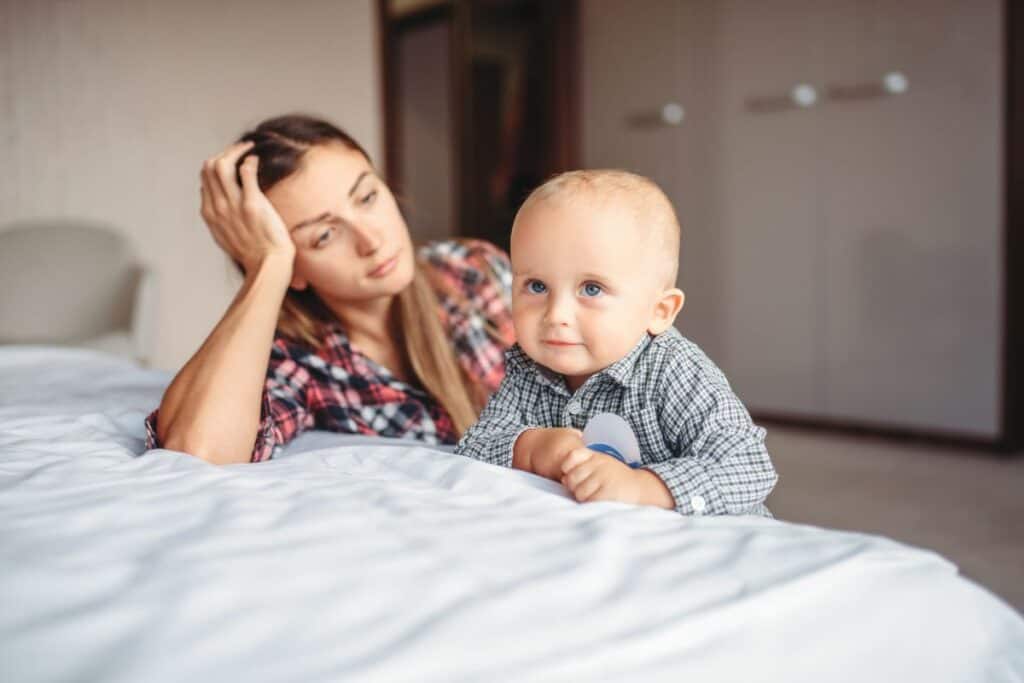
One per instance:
(655, 217)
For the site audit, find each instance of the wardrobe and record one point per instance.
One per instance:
(840, 171)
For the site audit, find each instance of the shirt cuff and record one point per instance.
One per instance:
(691, 486)
(495, 448)
(268, 436)
(152, 440)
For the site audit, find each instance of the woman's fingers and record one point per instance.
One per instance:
(240, 217)
(225, 166)
(205, 202)
(219, 174)
(218, 177)
(258, 209)
(250, 180)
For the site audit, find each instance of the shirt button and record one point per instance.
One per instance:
(698, 504)
(574, 408)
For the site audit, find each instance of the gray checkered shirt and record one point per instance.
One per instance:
(693, 431)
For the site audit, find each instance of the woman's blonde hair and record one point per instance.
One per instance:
(280, 144)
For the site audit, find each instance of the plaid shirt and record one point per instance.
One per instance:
(693, 431)
(337, 388)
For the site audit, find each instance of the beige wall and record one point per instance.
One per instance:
(108, 107)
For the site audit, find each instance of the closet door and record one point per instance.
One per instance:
(740, 167)
(767, 70)
(911, 156)
(838, 173)
(648, 106)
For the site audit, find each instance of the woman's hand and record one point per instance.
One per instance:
(241, 219)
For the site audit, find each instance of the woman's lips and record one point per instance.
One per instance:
(384, 268)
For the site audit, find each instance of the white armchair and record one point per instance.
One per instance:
(72, 283)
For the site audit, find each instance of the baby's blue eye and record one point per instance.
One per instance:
(591, 289)
(536, 287)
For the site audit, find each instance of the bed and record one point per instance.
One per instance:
(351, 558)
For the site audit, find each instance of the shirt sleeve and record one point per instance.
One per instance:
(493, 259)
(722, 466)
(494, 435)
(284, 410)
(481, 273)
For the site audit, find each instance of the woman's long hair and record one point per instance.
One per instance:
(280, 144)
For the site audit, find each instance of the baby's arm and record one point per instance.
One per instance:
(721, 464)
(502, 436)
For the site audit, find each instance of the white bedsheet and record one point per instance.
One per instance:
(380, 560)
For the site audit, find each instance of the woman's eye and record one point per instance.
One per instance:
(536, 287)
(368, 198)
(323, 238)
(591, 289)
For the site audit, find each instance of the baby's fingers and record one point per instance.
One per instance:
(589, 489)
(577, 475)
(576, 457)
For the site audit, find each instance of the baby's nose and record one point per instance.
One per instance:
(559, 311)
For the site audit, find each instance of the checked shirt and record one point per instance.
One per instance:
(694, 432)
(337, 388)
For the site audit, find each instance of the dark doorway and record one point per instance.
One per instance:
(464, 147)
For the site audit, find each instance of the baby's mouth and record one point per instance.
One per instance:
(558, 343)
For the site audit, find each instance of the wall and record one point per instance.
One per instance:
(108, 108)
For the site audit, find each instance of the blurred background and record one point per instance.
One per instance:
(846, 174)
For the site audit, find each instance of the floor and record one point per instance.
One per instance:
(967, 505)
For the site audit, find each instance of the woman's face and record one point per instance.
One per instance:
(352, 244)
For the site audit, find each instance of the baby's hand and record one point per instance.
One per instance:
(542, 451)
(590, 476)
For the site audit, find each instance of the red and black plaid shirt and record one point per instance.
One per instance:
(337, 388)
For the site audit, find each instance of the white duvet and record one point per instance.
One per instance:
(361, 559)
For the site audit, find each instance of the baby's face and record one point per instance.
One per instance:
(586, 283)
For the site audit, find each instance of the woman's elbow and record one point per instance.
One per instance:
(207, 449)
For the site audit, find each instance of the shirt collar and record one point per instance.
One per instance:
(516, 361)
(622, 370)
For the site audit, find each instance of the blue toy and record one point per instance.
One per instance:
(609, 434)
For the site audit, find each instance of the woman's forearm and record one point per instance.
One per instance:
(212, 408)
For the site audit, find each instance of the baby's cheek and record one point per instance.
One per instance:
(523, 320)
(613, 333)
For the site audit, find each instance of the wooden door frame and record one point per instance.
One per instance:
(1013, 241)
(458, 13)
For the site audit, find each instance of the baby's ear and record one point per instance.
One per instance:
(666, 310)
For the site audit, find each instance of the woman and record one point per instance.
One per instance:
(363, 335)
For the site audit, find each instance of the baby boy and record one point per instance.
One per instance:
(595, 257)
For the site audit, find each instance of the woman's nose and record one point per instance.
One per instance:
(367, 240)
